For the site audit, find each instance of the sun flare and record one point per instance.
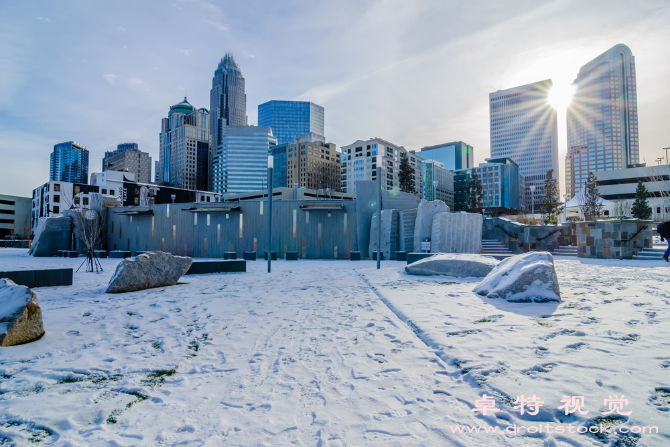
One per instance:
(560, 96)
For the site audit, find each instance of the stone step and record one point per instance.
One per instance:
(648, 258)
(654, 250)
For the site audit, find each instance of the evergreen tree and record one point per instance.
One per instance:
(475, 191)
(641, 208)
(405, 174)
(590, 203)
(550, 198)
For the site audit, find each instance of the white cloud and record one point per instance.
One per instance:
(217, 25)
(120, 29)
(44, 19)
(185, 51)
(111, 78)
(135, 81)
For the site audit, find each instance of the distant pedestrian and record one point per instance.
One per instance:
(664, 230)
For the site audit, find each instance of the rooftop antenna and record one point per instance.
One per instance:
(666, 154)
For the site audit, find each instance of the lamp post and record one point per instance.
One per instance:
(379, 216)
(435, 183)
(270, 161)
(532, 199)
(565, 207)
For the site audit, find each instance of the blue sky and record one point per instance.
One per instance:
(414, 72)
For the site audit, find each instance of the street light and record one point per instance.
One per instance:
(173, 196)
(532, 199)
(565, 207)
(270, 162)
(379, 216)
(435, 183)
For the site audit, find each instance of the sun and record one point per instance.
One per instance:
(560, 96)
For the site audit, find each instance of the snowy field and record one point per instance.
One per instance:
(335, 353)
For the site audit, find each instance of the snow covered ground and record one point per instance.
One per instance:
(336, 353)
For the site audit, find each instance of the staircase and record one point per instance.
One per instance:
(566, 250)
(651, 254)
(497, 249)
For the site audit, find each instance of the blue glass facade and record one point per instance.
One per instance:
(279, 166)
(69, 163)
(241, 162)
(453, 156)
(290, 119)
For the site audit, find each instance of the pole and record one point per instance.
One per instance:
(379, 217)
(270, 162)
(565, 208)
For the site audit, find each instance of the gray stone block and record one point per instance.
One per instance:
(453, 264)
(406, 225)
(153, 269)
(390, 234)
(52, 234)
(424, 220)
(456, 233)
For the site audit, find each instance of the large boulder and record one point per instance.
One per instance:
(148, 270)
(453, 264)
(389, 233)
(20, 314)
(424, 219)
(51, 234)
(523, 278)
(456, 233)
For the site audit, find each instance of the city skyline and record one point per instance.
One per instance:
(115, 84)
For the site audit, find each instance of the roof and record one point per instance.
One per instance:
(183, 107)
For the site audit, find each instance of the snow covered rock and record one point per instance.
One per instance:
(148, 270)
(453, 264)
(523, 278)
(457, 233)
(424, 219)
(20, 314)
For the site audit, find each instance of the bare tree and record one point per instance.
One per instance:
(88, 226)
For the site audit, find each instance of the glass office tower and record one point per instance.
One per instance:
(290, 119)
(602, 119)
(185, 148)
(241, 161)
(69, 163)
(524, 128)
(453, 156)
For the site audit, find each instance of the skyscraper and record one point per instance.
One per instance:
(524, 128)
(602, 119)
(290, 119)
(227, 100)
(127, 157)
(241, 160)
(69, 163)
(185, 148)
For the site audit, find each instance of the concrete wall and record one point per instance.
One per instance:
(609, 238)
(521, 238)
(313, 234)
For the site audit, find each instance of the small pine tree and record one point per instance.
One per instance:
(405, 175)
(641, 208)
(550, 198)
(475, 191)
(591, 203)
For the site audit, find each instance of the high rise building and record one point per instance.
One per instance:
(290, 119)
(69, 163)
(227, 100)
(502, 186)
(279, 160)
(452, 156)
(185, 148)
(128, 158)
(361, 158)
(438, 183)
(602, 119)
(241, 160)
(15, 216)
(524, 128)
(313, 164)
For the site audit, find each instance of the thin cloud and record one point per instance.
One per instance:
(120, 29)
(111, 78)
(44, 19)
(135, 81)
(185, 51)
(217, 25)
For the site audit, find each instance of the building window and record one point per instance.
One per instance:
(77, 189)
(56, 209)
(56, 198)
(57, 187)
